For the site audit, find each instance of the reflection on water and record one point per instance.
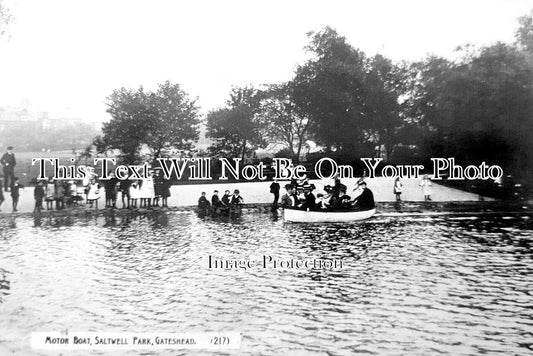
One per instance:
(424, 285)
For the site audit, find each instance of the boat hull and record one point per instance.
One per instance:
(330, 216)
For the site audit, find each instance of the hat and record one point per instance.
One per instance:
(9, 147)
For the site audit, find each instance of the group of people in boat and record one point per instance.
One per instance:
(225, 203)
(303, 195)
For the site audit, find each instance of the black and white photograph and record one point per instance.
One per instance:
(275, 177)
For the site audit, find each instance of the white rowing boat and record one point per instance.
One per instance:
(294, 215)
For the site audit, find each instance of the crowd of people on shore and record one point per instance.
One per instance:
(59, 194)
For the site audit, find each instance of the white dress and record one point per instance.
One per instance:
(147, 190)
(94, 192)
(50, 191)
(426, 187)
(134, 192)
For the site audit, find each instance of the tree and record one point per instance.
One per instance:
(283, 121)
(236, 128)
(477, 109)
(351, 100)
(176, 120)
(524, 33)
(161, 120)
(130, 124)
(329, 88)
(384, 84)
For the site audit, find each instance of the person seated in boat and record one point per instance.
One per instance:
(366, 200)
(307, 185)
(236, 199)
(358, 189)
(226, 199)
(294, 183)
(203, 203)
(300, 182)
(327, 198)
(339, 199)
(338, 188)
(215, 200)
(309, 201)
(322, 202)
(287, 200)
(344, 200)
(299, 199)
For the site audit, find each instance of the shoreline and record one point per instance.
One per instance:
(390, 209)
(256, 193)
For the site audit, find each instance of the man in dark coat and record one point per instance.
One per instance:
(8, 161)
(338, 188)
(274, 189)
(365, 201)
(310, 200)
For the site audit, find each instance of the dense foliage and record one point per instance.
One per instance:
(160, 121)
(476, 108)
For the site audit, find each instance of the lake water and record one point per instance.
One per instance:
(458, 285)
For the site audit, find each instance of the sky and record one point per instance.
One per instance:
(66, 56)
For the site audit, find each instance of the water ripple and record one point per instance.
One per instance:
(437, 285)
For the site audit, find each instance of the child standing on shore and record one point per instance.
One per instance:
(426, 188)
(15, 193)
(50, 194)
(38, 194)
(397, 189)
(1, 198)
(93, 194)
(134, 194)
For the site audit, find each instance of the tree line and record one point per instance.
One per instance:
(478, 107)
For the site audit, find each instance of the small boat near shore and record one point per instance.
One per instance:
(294, 215)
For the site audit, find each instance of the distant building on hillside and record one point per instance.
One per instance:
(22, 117)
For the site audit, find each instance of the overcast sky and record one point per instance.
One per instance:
(71, 54)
